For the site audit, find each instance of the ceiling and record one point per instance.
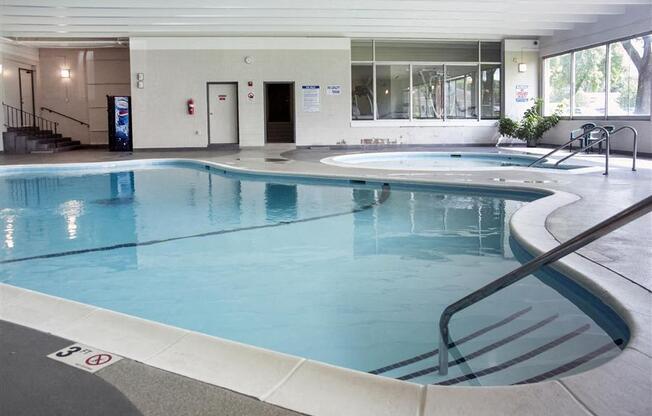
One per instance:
(444, 19)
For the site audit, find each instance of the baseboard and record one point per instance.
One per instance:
(391, 146)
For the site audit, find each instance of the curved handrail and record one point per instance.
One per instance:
(558, 148)
(635, 145)
(586, 133)
(605, 227)
(63, 115)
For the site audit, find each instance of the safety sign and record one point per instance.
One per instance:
(311, 101)
(85, 358)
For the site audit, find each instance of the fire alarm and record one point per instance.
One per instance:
(250, 83)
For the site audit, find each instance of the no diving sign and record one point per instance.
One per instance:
(85, 358)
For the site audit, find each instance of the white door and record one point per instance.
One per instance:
(223, 113)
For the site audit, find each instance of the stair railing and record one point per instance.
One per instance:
(634, 149)
(15, 117)
(83, 123)
(605, 227)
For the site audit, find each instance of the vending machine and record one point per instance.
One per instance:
(120, 132)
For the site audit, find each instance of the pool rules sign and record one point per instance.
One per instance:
(85, 358)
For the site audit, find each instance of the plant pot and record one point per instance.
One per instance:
(531, 143)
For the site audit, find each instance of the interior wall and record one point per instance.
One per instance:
(520, 51)
(177, 69)
(636, 20)
(94, 74)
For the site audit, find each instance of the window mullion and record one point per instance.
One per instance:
(607, 80)
(572, 85)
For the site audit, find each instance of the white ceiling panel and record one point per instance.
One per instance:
(490, 19)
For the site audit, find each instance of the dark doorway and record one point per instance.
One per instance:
(279, 112)
(27, 100)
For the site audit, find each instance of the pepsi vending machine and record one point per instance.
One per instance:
(119, 109)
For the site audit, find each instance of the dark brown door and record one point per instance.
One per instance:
(279, 112)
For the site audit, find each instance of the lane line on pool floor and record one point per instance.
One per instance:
(484, 349)
(524, 357)
(460, 341)
(575, 363)
(385, 193)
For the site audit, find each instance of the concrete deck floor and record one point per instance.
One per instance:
(129, 387)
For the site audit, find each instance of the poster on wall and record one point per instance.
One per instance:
(334, 90)
(522, 93)
(311, 98)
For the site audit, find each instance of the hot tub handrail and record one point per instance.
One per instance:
(561, 146)
(611, 135)
(605, 227)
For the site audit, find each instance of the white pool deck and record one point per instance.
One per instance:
(617, 268)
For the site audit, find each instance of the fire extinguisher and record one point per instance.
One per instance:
(191, 106)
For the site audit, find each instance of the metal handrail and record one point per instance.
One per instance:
(586, 133)
(634, 146)
(63, 115)
(605, 227)
(634, 150)
(15, 117)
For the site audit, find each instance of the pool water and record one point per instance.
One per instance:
(440, 161)
(351, 274)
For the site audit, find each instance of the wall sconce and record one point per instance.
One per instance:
(522, 67)
(65, 73)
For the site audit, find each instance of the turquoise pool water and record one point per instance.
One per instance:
(440, 161)
(351, 274)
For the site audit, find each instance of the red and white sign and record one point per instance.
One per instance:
(221, 97)
(85, 358)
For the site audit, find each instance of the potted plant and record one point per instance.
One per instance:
(531, 127)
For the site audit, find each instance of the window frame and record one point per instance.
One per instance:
(411, 121)
(607, 71)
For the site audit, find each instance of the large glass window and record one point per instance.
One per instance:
(490, 91)
(362, 92)
(461, 91)
(427, 91)
(630, 77)
(590, 81)
(464, 51)
(425, 80)
(557, 84)
(625, 93)
(393, 86)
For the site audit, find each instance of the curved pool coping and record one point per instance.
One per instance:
(318, 389)
(337, 161)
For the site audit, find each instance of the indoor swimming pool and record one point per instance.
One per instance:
(440, 161)
(349, 273)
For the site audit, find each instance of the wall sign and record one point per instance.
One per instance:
(522, 93)
(311, 98)
(334, 90)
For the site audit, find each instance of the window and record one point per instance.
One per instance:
(425, 80)
(460, 91)
(557, 88)
(583, 79)
(393, 86)
(362, 50)
(362, 92)
(590, 81)
(630, 77)
(490, 91)
(427, 91)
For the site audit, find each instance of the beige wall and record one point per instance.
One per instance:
(176, 69)
(95, 73)
(517, 51)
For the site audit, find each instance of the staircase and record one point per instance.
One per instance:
(29, 133)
